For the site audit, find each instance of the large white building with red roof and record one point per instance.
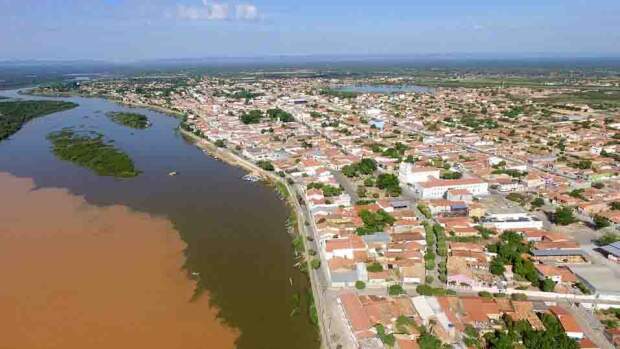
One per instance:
(435, 188)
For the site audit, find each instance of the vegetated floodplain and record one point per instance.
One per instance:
(14, 114)
(133, 120)
(91, 151)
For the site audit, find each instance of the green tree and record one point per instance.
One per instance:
(485, 294)
(403, 323)
(360, 285)
(428, 341)
(607, 239)
(349, 171)
(497, 267)
(425, 211)
(547, 285)
(265, 165)
(315, 263)
(367, 166)
(395, 290)
(386, 180)
(279, 114)
(387, 339)
(251, 117)
(601, 222)
(538, 202)
(451, 175)
(374, 222)
(374, 267)
(564, 216)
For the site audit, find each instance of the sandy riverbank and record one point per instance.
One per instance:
(81, 276)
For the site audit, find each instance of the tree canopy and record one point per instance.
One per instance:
(279, 114)
(365, 166)
(251, 117)
(374, 222)
(564, 216)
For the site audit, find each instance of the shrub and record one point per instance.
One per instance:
(395, 290)
(360, 285)
(374, 267)
(485, 294)
(315, 263)
(265, 165)
(564, 216)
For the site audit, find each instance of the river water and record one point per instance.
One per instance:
(232, 231)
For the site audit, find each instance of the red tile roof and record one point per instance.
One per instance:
(355, 312)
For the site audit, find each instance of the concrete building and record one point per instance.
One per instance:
(437, 188)
(409, 174)
(510, 220)
(612, 251)
(601, 280)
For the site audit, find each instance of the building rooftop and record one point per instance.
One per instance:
(613, 249)
(558, 252)
(601, 279)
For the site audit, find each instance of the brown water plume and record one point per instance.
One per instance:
(74, 275)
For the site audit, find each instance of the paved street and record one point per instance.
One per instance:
(592, 328)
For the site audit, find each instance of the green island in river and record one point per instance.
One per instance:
(133, 120)
(91, 151)
(14, 114)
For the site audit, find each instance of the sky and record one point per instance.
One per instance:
(129, 30)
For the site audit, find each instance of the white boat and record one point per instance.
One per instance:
(251, 178)
(173, 173)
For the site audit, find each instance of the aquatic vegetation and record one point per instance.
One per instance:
(91, 151)
(133, 120)
(14, 114)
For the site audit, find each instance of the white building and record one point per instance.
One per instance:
(409, 174)
(511, 221)
(437, 188)
(343, 247)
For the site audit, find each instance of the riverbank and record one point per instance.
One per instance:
(15, 114)
(219, 216)
(297, 219)
(156, 108)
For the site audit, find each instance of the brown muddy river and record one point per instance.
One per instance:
(96, 262)
(72, 277)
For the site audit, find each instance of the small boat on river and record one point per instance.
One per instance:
(251, 178)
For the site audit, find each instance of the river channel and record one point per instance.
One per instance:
(235, 251)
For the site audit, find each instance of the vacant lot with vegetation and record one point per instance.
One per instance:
(14, 114)
(133, 120)
(596, 98)
(91, 151)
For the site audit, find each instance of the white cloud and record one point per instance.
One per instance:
(214, 11)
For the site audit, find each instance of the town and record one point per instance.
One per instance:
(430, 217)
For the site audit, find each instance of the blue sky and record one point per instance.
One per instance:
(148, 29)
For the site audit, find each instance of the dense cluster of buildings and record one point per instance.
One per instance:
(475, 162)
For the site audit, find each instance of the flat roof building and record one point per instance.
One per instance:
(601, 280)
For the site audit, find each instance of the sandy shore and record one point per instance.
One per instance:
(76, 275)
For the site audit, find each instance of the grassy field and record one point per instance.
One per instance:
(14, 114)
(91, 151)
(485, 82)
(133, 120)
(598, 99)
